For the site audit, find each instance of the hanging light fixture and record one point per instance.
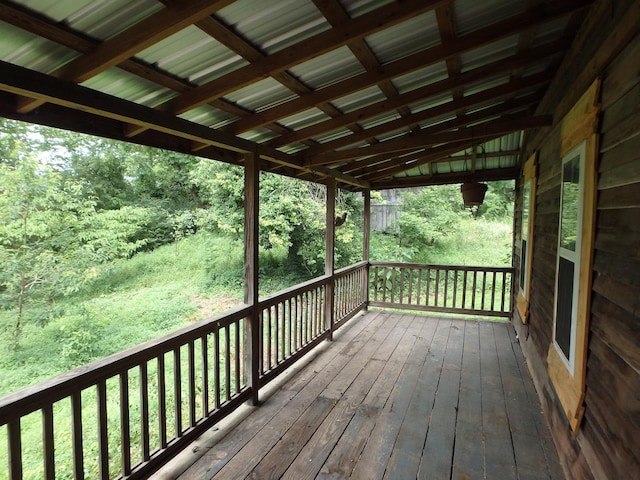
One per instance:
(473, 192)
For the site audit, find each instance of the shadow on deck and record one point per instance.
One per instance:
(393, 396)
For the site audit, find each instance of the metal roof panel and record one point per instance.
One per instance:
(406, 38)
(332, 67)
(194, 55)
(273, 26)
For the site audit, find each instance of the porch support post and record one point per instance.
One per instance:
(366, 239)
(329, 267)
(252, 326)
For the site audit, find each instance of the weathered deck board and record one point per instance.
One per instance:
(396, 396)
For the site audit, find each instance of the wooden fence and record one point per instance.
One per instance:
(442, 288)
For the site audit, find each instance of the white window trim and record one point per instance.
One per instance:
(572, 256)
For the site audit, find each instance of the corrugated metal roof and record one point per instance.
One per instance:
(32, 52)
(315, 73)
(409, 37)
(192, 56)
(261, 95)
(471, 15)
(272, 26)
(359, 99)
(125, 85)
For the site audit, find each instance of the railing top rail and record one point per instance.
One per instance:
(469, 268)
(290, 292)
(351, 268)
(34, 397)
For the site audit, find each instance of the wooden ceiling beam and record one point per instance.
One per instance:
(381, 18)
(484, 36)
(143, 34)
(437, 88)
(335, 13)
(502, 110)
(28, 83)
(491, 175)
(492, 94)
(405, 162)
(436, 113)
(61, 34)
(430, 155)
(477, 132)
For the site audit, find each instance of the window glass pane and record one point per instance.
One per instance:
(523, 266)
(526, 196)
(570, 203)
(564, 305)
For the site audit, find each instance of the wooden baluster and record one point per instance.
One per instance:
(375, 283)
(227, 361)
(455, 287)
(493, 292)
(464, 289)
(484, 289)
(401, 272)
(177, 391)
(217, 368)
(125, 433)
(76, 436)
(410, 286)
(393, 284)
(294, 314)
(277, 334)
(473, 292)
(384, 288)
(48, 443)
(286, 309)
(191, 360)
(269, 360)
(305, 317)
(446, 287)
(144, 411)
(204, 346)
(419, 286)
(504, 291)
(427, 301)
(237, 358)
(162, 402)
(15, 449)
(435, 304)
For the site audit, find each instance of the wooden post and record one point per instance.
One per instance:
(329, 267)
(252, 327)
(366, 238)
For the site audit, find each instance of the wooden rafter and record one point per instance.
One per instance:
(417, 137)
(312, 47)
(143, 34)
(484, 36)
(489, 95)
(486, 72)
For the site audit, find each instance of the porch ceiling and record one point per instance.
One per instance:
(375, 93)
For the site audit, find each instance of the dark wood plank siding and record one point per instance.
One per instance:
(606, 446)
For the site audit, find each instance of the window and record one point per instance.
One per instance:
(569, 249)
(567, 356)
(526, 236)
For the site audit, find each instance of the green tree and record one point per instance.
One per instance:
(41, 211)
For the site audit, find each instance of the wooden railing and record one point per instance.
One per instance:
(129, 413)
(350, 292)
(482, 291)
(125, 415)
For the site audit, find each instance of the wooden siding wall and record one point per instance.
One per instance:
(607, 444)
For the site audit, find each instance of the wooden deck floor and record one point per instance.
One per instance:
(396, 396)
